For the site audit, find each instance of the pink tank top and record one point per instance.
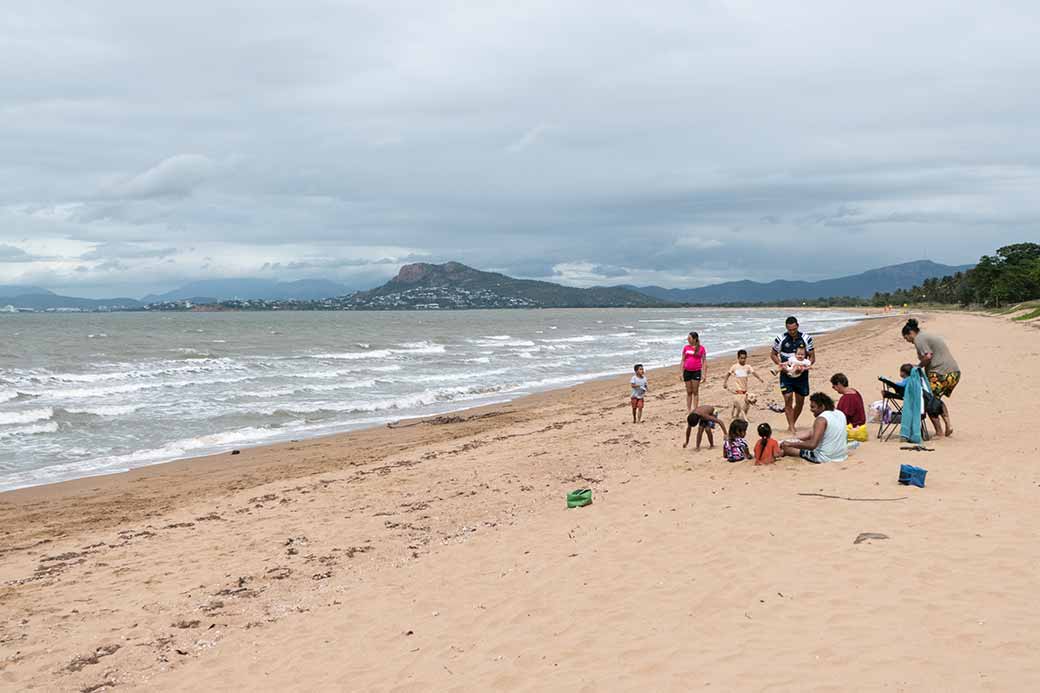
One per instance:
(693, 358)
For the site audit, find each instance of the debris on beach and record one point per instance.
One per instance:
(867, 536)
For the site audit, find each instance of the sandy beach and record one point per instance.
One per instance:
(440, 555)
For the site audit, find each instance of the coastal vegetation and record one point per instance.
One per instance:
(1008, 278)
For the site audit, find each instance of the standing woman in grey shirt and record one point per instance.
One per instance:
(937, 361)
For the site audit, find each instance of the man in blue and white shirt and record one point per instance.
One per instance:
(795, 390)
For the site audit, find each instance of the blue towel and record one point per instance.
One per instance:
(910, 429)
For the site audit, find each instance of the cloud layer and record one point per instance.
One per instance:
(681, 144)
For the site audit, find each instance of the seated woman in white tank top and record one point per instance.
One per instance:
(827, 440)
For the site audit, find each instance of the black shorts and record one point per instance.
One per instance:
(687, 376)
(799, 385)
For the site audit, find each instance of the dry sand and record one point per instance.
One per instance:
(440, 556)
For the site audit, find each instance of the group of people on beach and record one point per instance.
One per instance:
(794, 357)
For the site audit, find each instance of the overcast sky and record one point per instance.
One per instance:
(677, 143)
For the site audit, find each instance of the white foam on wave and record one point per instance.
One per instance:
(11, 418)
(413, 401)
(354, 355)
(672, 321)
(300, 389)
(183, 448)
(604, 354)
(86, 392)
(421, 348)
(545, 383)
(501, 343)
(49, 427)
(157, 369)
(403, 350)
(8, 395)
(582, 338)
(449, 376)
(106, 410)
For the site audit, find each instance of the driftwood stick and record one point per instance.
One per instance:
(824, 495)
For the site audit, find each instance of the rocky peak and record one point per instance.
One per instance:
(420, 271)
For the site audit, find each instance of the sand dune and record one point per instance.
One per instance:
(440, 556)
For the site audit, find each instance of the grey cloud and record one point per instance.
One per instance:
(176, 176)
(609, 272)
(10, 253)
(111, 266)
(336, 263)
(128, 251)
(682, 146)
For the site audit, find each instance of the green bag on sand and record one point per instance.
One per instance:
(579, 498)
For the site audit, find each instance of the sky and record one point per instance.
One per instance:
(144, 145)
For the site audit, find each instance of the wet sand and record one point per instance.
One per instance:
(440, 555)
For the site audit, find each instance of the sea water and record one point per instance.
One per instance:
(87, 394)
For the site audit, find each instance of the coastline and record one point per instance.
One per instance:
(440, 555)
(492, 401)
(371, 436)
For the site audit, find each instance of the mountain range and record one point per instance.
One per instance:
(413, 280)
(863, 285)
(212, 290)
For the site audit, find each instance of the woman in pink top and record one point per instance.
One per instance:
(694, 371)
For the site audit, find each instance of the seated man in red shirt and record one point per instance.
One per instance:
(851, 402)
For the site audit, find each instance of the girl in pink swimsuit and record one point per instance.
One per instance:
(693, 367)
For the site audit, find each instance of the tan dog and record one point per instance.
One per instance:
(740, 406)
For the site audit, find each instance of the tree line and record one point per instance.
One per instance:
(1011, 276)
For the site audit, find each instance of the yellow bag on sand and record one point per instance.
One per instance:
(859, 433)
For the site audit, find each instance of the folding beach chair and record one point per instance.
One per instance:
(891, 416)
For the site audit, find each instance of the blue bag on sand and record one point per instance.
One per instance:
(910, 475)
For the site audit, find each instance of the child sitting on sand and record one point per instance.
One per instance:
(705, 418)
(741, 371)
(735, 448)
(794, 367)
(639, 387)
(767, 450)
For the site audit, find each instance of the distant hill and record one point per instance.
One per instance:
(52, 301)
(212, 290)
(8, 290)
(454, 285)
(863, 285)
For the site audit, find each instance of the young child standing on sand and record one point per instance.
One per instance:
(693, 369)
(705, 418)
(741, 371)
(767, 450)
(735, 447)
(639, 386)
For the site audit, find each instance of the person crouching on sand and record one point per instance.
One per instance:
(705, 418)
(741, 372)
(639, 387)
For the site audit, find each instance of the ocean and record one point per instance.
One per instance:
(88, 394)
